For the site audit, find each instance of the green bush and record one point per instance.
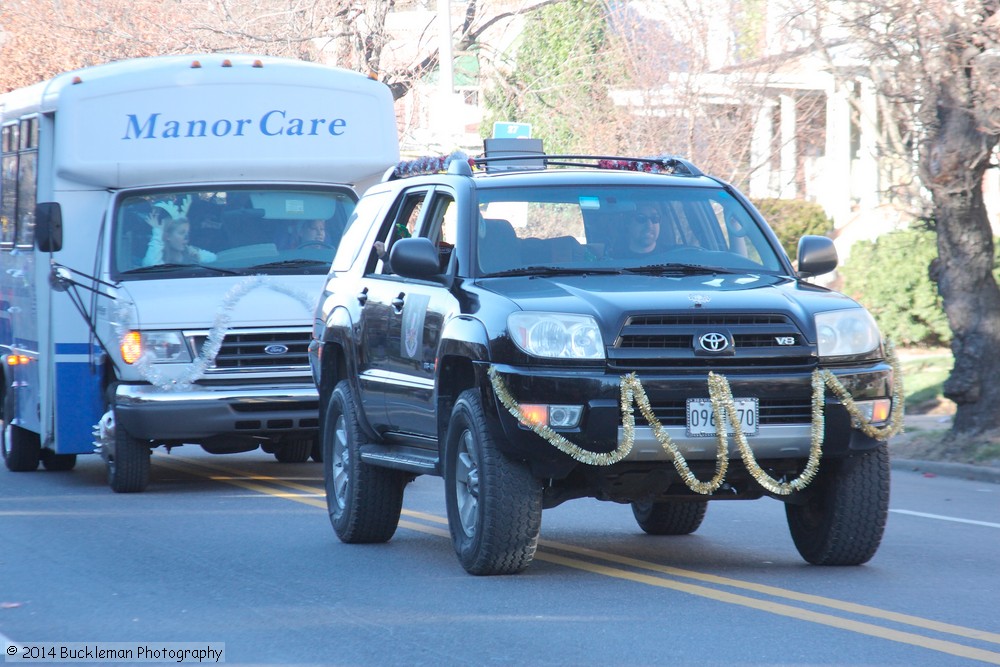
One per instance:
(889, 277)
(791, 219)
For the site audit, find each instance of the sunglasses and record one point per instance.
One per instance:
(642, 218)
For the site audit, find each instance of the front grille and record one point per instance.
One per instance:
(670, 341)
(773, 411)
(259, 349)
(707, 319)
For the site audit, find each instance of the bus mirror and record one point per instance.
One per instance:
(48, 227)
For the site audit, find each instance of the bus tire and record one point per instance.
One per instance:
(21, 449)
(294, 450)
(58, 462)
(128, 465)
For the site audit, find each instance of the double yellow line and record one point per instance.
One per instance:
(769, 599)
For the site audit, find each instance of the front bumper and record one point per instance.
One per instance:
(770, 442)
(785, 434)
(150, 413)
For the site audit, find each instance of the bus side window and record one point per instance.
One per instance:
(8, 185)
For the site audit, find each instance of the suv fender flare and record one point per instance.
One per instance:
(465, 337)
(464, 353)
(338, 331)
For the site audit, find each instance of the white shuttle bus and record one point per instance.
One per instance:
(165, 226)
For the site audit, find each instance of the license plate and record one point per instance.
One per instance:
(701, 419)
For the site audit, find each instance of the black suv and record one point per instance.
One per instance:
(541, 329)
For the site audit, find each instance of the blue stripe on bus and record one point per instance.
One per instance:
(79, 405)
(75, 348)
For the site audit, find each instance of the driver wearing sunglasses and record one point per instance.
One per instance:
(642, 230)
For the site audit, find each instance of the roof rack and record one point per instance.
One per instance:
(665, 164)
(460, 163)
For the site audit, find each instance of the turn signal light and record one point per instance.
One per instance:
(535, 415)
(880, 410)
(131, 347)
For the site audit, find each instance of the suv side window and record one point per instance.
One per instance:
(440, 226)
(357, 229)
(401, 225)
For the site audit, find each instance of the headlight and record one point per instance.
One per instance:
(557, 335)
(846, 332)
(165, 347)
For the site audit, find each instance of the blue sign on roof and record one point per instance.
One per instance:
(511, 130)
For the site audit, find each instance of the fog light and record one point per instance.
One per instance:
(554, 416)
(565, 416)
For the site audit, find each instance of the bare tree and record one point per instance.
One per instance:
(45, 37)
(936, 64)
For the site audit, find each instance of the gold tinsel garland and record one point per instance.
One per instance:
(722, 401)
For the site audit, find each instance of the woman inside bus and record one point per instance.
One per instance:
(169, 242)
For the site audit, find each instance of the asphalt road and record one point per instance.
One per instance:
(238, 550)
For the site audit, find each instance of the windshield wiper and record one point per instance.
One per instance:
(553, 271)
(680, 267)
(288, 264)
(164, 268)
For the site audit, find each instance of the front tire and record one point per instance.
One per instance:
(364, 501)
(674, 517)
(494, 503)
(842, 521)
(128, 464)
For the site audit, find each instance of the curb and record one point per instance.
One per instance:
(944, 469)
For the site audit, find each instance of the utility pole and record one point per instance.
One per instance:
(447, 58)
(448, 124)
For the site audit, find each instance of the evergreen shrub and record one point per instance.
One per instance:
(889, 276)
(791, 219)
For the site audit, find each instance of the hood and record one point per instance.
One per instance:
(247, 301)
(610, 299)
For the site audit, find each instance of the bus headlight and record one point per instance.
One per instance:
(164, 347)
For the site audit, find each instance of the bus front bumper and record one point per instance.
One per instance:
(150, 413)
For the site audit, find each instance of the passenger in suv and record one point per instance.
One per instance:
(531, 364)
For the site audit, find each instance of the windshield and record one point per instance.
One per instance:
(180, 233)
(583, 228)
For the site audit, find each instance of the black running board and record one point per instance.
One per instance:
(400, 457)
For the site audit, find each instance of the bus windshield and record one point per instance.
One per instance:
(236, 230)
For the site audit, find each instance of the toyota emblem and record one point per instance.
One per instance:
(713, 342)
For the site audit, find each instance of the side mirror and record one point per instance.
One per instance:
(48, 227)
(817, 255)
(414, 258)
